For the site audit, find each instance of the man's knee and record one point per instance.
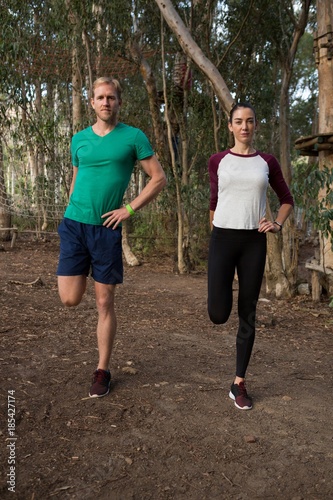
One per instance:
(70, 301)
(71, 289)
(104, 304)
(104, 297)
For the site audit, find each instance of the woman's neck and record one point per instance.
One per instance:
(243, 150)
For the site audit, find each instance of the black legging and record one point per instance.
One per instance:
(244, 250)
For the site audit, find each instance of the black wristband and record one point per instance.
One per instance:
(278, 224)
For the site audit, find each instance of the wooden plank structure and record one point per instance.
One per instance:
(311, 145)
(321, 143)
(320, 276)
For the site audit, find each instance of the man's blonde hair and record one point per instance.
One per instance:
(108, 80)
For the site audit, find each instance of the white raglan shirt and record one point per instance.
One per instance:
(239, 198)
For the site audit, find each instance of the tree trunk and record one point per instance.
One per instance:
(281, 269)
(154, 104)
(128, 254)
(76, 94)
(325, 101)
(216, 122)
(182, 264)
(276, 280)
(97, 11)
(85, 39)
(181, 260)
(40, 174)
(185, 178)
(5, 217)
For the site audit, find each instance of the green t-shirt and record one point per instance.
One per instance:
(105, 165)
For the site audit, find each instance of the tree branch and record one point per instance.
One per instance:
(191, 48)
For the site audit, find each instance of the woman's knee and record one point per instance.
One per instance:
(217, 316)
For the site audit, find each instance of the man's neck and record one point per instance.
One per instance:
(103, 128)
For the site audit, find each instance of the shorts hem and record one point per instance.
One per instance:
(72, 274)
(108, 283)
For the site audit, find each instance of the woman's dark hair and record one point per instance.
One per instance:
(238, 105)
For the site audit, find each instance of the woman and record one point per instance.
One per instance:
(239, 178)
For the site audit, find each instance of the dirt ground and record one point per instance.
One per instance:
(168, 429)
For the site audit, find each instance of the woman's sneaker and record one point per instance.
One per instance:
(239, 394)
(100, 383)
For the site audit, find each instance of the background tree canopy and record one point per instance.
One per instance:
(52, 50)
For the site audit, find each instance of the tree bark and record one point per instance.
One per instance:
(154, 105)
(5, 217)
(181, 263)
(325, 101)
(130, 258)
(76, 86)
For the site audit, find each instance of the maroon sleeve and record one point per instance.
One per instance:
(213, 165)
(277, 181)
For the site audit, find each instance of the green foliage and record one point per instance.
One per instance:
(148, 234)
(312, 189)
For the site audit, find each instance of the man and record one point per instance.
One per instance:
(103, 158)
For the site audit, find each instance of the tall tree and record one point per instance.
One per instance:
(281, 274)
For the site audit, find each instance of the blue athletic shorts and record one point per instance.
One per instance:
(85, 247)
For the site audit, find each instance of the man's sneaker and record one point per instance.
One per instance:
(239, 395)
(100, 384)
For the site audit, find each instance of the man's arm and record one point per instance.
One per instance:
(157, 181)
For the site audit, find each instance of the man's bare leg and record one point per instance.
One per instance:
(107, 323)
(71, 289)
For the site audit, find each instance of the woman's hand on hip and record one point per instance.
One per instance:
(267, 226)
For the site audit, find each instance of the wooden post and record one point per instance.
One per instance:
(318, 273)
(13, 231)
(315, 285)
